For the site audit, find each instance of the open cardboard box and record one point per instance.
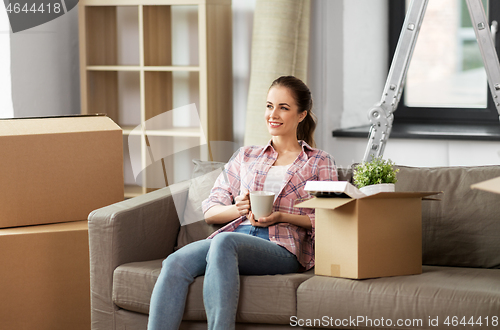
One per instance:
(58, 169)
(360, 236)
(492, 185)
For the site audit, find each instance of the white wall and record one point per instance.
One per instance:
(347, 67)
(6, 110)
(365, 51)
(44, 64)
(326, 67)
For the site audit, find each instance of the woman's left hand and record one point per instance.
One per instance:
(270, 220)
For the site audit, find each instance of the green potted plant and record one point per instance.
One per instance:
(375, 176)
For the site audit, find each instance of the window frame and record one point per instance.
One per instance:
(438, 115)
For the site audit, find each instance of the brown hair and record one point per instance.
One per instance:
(302, 96)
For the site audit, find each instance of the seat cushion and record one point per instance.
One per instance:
(263, 299)
(463, 228)
(437, 292)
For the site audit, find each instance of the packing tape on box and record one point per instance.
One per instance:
(335, 270)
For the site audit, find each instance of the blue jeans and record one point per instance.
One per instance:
(221, 259)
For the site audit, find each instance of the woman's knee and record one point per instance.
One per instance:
(187, 261)
(173, 264)
(224, 240)
(223, 244)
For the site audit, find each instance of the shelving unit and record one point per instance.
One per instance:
(135, 65)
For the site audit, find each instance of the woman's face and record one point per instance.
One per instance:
(282, 114)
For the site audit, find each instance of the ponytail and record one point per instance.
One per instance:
(305, 130)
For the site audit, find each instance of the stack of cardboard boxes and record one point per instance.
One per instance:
(53, 173)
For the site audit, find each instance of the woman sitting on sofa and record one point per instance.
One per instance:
(280, 243)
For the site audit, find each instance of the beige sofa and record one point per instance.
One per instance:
(461, 257)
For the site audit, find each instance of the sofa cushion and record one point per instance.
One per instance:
(202, 167)
(437, 292)
(462, 229)
(193, 225)
(345, 173)
(263, 299)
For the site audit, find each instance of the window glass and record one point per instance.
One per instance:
(446, 69)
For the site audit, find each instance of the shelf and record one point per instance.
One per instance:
(156, 2)
(127, 130)
(165, 91)
(115, 93)
(171, 159)
(112, 35)
(177, 68)
(185, 132)
(434, 131)
(132, 191)
(114, 68)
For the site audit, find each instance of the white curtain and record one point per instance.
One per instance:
(6, 109)
(280, 46)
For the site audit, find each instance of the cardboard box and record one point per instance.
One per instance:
(368, 236)
(58, 169)
(45, 277)
(492, 185)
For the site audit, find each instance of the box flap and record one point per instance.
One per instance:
(492, 185)
(46, 228)
(332, 188)
(410, 194)
(52, 125)
(333, 203)
(324, 203)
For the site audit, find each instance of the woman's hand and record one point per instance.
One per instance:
(276, 217)
(270, 220)
(242, 203)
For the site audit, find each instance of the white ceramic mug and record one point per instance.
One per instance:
(261, 203)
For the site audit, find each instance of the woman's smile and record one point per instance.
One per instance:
(275, 124)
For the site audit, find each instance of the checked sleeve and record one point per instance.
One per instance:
(227, 185)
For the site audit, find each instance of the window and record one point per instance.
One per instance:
(446, 81)
(6, 110)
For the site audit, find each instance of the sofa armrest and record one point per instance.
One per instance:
(138, 229)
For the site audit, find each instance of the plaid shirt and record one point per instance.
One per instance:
(248, 168)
